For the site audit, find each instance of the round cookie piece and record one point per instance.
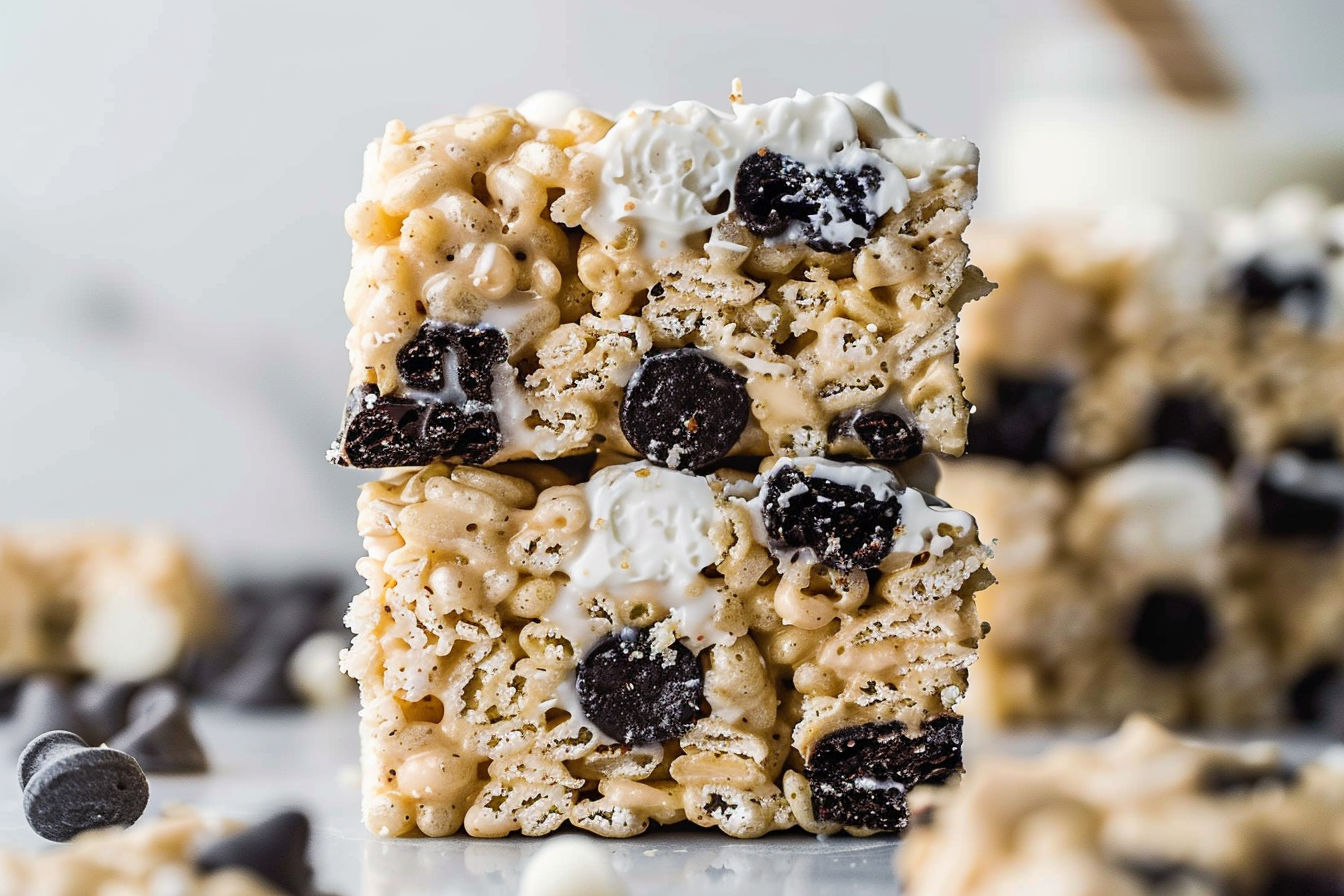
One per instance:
(637, 693)
(845, 526)
(684, 410)
(1173, 627)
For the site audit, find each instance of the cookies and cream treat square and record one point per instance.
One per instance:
(633, 645)
(1142, 812)
(679, 283)
(75, 597)
(152, 858)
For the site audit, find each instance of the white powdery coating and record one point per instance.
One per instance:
(664, 167)
(649, 527)
(570, 865)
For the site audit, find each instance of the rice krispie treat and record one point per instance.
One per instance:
(681, 283)
(1140, 813)
(74, 599)
(182, 853)
(633, 645)
(1159, 460)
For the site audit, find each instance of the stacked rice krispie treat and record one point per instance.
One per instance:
(1157, 450)
(661, 392)
(1142, 813)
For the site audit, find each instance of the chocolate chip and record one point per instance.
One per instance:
(888, 437)
(860, 776)
(639, 694)
(846, 527)
(1298, 497)
(773, 191)
(1303, 882)
(276, 850)
(47, 703)
(1234, 778)
(10, 685)
(70, 787)
(1195, 423)
(1317, 698)
(1173, 627)
(1019, 424)
(160, 736)
(102, 707)
(1165, 875)
(684, 410)
(443, 410)
(1261, 286)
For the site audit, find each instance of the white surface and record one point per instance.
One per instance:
(268, 761)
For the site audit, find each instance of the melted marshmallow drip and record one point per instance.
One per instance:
(664, 167)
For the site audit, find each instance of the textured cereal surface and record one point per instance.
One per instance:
(1140, 813)
(152, 858)
(478, 220)
(465, 666)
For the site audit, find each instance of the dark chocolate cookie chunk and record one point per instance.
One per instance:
(444, 408)
(1300, 293)
(454, 363)
(637, 694)
(888, 437)
(684, 410)
(1019, 424)
(846, 527)
(70, 787)
(1195, 423)
(405, 432)
(1303, 882)
(1173, 627)
(1298, 497)
(1317, 698)
(276, 850)
(773, 191)
(860, 776)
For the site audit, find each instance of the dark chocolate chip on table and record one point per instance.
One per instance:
(47, 703)
(103, 707)
(160, 735)
(1173, 627)
(636, 693)
(860, 776)
(846, 527)
(276, 850)
(70, 787)
(1019, 424)
(684, 410)
(773, 191)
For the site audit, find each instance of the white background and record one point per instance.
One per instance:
(172, 177)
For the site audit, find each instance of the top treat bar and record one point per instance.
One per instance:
(682, 284)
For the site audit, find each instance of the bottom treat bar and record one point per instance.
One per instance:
(117, 604)
(746, 652)
(1141, 813)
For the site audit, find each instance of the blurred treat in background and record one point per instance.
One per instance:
(1160, 412)
(120, 605)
